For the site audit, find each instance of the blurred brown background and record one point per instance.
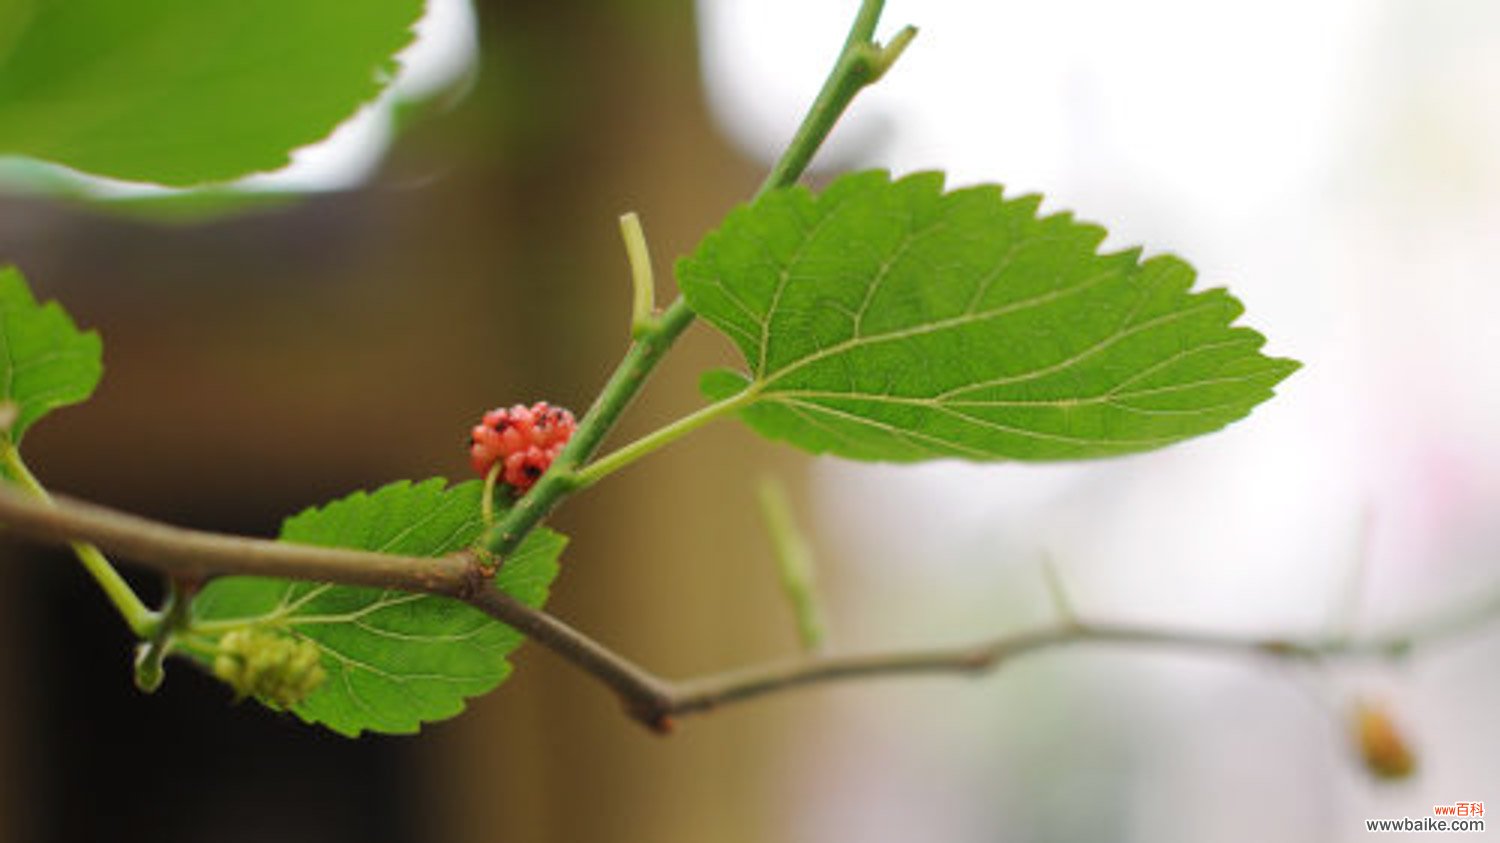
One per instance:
(261, 364)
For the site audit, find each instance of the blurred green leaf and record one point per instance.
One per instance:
(28, 176)
(194, 207)
(892, 321)
(45, 361)
(183, 92)
(394, 660)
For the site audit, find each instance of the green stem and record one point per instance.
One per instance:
(559, 481)
(794, 561)
(642, 279)
(487, 503)
(659, 438)
(860, 63)
(149, 671)
(1061, 603)
(141, 620)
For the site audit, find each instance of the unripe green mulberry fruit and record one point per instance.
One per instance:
(276, 668)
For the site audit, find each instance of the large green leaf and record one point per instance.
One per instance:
(394, 660)
(45, 361)
(184, 92)
(892, 321)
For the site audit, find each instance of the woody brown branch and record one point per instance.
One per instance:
(647, 698)
(201, 555)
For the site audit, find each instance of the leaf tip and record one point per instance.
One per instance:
(921, 181)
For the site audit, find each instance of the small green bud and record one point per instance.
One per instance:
(277, 668)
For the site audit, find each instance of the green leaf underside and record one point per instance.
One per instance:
(45, 361)
(183, 92)
(888, 320)
(394, 660)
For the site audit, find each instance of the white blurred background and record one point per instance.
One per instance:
(1337, 165)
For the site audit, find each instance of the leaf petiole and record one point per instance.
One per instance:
(643, 319)
(150, 657)
(141, 620)
(659, 438)
(794, 561)
(487, 503)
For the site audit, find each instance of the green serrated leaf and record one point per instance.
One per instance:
(889, 320)
(183, 92)
(394, 660)
(720, 384)
(45, 361)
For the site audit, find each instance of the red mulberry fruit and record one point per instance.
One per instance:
(524, 440)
